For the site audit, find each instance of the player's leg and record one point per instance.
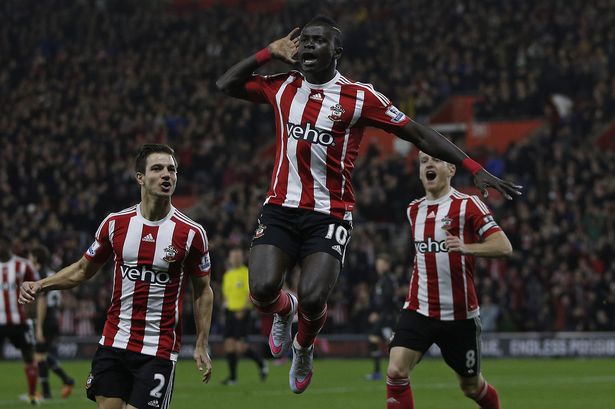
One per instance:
(231, 359)
(460, 346)
(153, 381)
(267, 268)
(109, 383)
(230, 347)
(401, 362)
(319, 272)
(22, 337)
(244, 349)
(413, 335)
(51, 333)
(43, 368)
(477, 389)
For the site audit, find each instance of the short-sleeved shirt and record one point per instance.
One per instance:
(442, 283)
(152, 263)
(12, 273)
(318, 132)
(235, 289)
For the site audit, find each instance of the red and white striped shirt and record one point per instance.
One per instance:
(12, 273)
(442, 283)
(153, 261)
(318, 131)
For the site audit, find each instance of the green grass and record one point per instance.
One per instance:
(522, 384)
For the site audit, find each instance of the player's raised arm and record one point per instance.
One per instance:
(233, 80)
(203, 304)
(69, 277)
(435, 144)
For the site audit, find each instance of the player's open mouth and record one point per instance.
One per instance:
(430, 175)
(308, 59)
(166, 185)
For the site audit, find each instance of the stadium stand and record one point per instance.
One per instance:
(84, 83)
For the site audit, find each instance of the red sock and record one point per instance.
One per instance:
(488, 398)
(309, 328)
(31, 374)
(281, 305)
(399, 394)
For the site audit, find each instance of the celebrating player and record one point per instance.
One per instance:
(156, 250)
(320, 116)
(450, 230)
(14, 324)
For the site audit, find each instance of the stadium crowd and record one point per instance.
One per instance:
(84, 83)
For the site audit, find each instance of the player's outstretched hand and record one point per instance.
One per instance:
(484, 179)
(286, 48)
(28, 291)
(203, 362)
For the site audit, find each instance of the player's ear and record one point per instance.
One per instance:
(140, 178)
(452, 169)
(337, 54)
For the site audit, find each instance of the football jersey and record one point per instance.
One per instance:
(12, 273)
(152, 263)
(442, 283)
(318, 132)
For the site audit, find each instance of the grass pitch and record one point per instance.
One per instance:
(522, 384)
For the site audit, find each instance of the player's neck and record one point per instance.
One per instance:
(437, 194)
(320, 77)
(155, 208)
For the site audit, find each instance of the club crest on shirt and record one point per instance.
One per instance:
(446, 222)
(260, 230)
(336, 113)
(170, 254)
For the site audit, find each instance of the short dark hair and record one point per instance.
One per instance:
(322, 20)
(41, 254)
(147, 150)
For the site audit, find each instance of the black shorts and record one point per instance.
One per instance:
(383, 327)
(301, 232)
(21, 336)
(142, 381)
(459, 341)
(50, 332)
(234, 327)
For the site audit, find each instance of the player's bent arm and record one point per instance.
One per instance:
(496, 245)
(233, 80)
(431, 142)
(71, 276)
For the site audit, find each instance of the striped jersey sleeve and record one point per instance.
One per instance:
(198, 262)
(379, 111)
(100, 250)
(480, 218)
(262, 88)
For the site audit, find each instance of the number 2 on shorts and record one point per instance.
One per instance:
(155, 392)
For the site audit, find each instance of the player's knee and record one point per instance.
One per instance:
(263, 293)
(470, 388)
(397, 370)
(312, 304)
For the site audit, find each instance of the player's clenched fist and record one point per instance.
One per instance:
(454, 244)
(28, 291)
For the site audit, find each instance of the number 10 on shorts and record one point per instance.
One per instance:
(341, 234)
